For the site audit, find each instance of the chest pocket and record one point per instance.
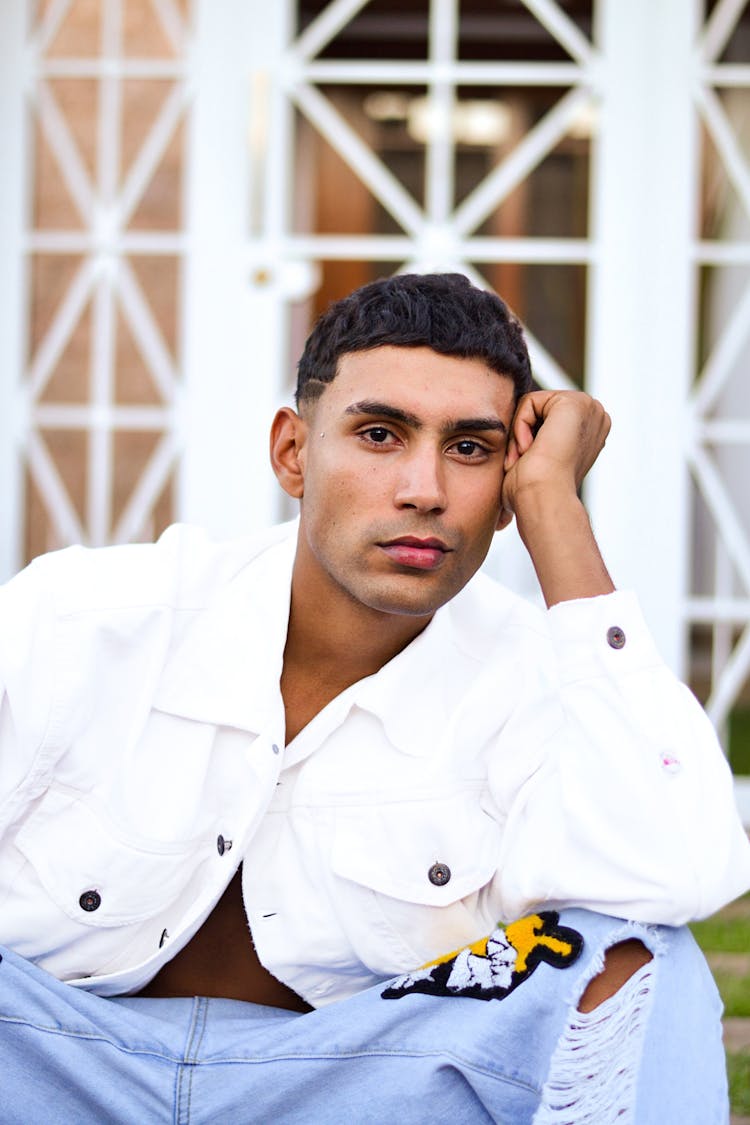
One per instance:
(430, 853)
(93, 875)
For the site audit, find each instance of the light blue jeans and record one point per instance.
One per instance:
(490, 1035)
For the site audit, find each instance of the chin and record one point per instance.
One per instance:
(406, 602)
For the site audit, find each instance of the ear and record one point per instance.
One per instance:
(504, 519)
(287, 449)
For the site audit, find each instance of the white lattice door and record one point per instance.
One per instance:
(93, 278)
(312, 120)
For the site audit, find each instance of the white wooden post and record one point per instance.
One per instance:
(642, 301)
(14, 202)
(235, 306)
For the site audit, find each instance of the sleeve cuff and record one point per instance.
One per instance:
(601, 636)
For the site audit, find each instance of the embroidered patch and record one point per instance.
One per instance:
(491, 968)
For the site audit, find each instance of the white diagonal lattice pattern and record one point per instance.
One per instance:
(440, 234)
(715, 433)
(100, 232)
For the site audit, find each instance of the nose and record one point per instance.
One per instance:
(420, 484)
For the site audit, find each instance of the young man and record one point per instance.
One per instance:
(244, 786)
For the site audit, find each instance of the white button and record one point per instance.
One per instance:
(669, 763)
(275, 749)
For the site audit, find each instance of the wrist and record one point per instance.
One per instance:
(541, 504)
(555, 529)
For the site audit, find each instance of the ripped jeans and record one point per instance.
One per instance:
(491, 1033)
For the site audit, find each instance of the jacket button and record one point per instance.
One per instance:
(275, 749)
(90, 900)
(439, 874)
(223, 845)
(615, 637)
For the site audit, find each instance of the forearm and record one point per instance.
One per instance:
(556, 532)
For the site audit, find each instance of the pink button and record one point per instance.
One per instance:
(670, 763)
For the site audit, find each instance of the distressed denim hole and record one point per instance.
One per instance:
(594, 1068)
(620, 962)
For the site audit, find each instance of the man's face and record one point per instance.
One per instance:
(402, 467)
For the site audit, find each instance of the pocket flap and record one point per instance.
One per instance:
(93, 876)
(432, 853)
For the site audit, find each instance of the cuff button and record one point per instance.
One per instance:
(615, 637)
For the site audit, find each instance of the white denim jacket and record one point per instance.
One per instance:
(507, 757)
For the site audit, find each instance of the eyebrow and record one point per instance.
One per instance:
(385, 410)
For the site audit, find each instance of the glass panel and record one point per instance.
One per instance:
(132, 451)
(159, 279)
(723, 214)
(142, 31)
(737, 48)
(70, 379)
(488, 30)
(551, 300)
(711, 646)
(340, 278)
(142, 101)
(722, 289)
(134, 385)
(39, 534)
(713, 573)
(703, 554)
(51, 275)
(492, 30)
(382, 29)
(342, 201)
(78, 101)
(163, 513)
(160, 207)
(69, 452)
(52, 206)
(553, 199)
(79, 33)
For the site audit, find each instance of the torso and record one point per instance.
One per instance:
(220, 960)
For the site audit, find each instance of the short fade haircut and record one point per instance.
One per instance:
(442, 311)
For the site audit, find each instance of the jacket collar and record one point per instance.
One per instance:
(226, 667)
(415, 695)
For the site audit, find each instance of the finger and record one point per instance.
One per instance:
(529, 414)
(511, 454)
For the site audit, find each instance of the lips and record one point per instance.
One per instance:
(417, 554)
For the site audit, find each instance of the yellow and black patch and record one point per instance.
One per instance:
(491, 968)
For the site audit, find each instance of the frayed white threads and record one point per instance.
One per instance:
(594, 1068)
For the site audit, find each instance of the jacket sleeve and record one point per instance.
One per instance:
(29, 669)
(615, 793)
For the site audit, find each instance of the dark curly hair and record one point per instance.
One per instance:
(442, 311)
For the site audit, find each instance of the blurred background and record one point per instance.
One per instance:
(187, 183)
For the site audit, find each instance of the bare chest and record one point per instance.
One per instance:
(220, 960)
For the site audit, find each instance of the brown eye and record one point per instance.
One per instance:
(378, 434)
(468, 448)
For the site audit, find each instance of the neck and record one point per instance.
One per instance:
(340, 638)
(333, 641)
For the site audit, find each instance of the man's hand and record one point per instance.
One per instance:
(555, 438)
